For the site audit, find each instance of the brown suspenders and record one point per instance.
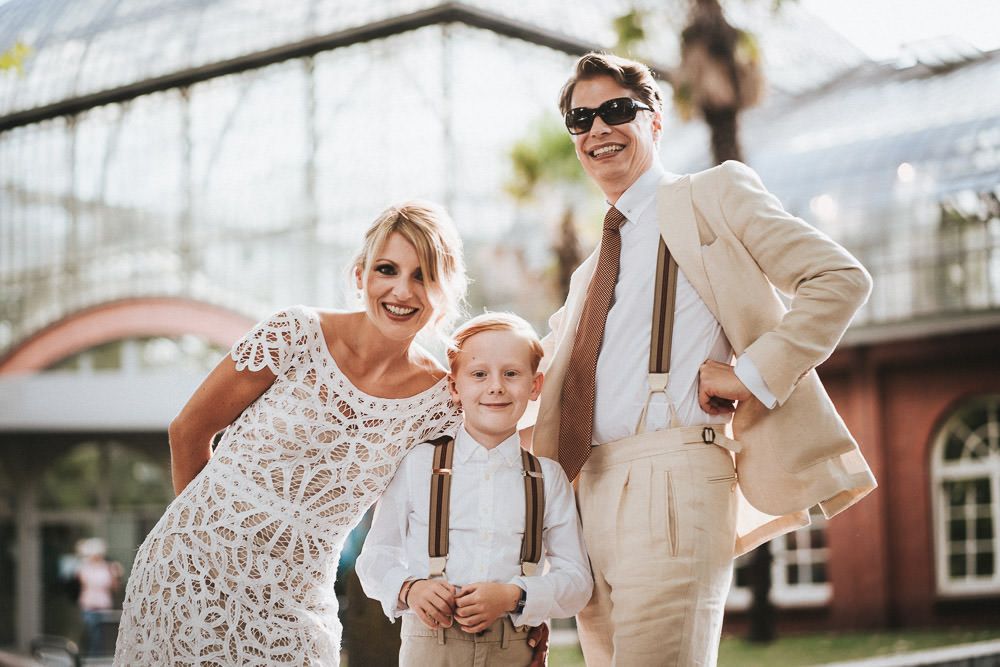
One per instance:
(437, 520)
(662, 331)
(437, 517)
(534, 513)
(664, 303)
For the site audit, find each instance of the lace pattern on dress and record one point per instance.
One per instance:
(240, 568)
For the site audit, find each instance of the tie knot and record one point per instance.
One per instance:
(613, 219)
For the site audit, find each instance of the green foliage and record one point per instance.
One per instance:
(545, 156)
(630, 31)
(815, 649)
(747, 47)
(14, 57)
(72, 480)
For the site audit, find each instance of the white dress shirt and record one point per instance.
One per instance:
(623, 362)
(486, 528)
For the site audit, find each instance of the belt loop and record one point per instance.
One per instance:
(440, 636)
(504, 639)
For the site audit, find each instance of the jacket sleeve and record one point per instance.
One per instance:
(826, 284)
(530, 415)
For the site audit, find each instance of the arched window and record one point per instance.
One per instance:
(965, 491)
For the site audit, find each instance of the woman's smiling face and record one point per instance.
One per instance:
(396, 297)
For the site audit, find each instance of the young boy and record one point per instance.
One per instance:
(488, 592)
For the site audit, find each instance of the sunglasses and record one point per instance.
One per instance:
(613, 112)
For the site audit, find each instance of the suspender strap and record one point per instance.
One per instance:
(664, 302)
(662, 331)
(534, 513)
(437, 522)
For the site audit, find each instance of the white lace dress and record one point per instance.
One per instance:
(240, 569)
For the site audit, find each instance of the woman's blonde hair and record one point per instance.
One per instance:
(429, 228)
(495, 322)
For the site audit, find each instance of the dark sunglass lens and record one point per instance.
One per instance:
(618, 111)
(580, 120)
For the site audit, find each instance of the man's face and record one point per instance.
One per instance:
(614, 155)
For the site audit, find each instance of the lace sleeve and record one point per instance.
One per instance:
(271, 343)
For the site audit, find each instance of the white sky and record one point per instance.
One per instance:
(879, 27)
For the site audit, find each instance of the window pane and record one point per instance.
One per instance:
(818, 538)
(956, 565)
(957, 531)
(984, 564)
(819, 571)
(982, 489)
(953, 448)
(984, 529)
(792, 572)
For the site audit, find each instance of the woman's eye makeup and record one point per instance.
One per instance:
(418, 275)
(386, 269)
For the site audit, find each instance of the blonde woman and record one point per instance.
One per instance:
(319, 408)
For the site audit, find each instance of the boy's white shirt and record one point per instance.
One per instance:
(486, 529)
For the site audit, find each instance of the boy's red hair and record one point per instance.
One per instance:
(495, 322)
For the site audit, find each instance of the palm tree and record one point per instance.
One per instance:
(545, 160)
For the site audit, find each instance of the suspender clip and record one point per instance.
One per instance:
(532, 473)
(528, 568)
(442, 471)
(437, 565)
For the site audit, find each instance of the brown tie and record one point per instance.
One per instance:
(576, 417)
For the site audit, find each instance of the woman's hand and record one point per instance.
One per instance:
(433, 601)
(478, 605)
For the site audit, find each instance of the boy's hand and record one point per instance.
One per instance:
(433, 601)
(538, 640)
(478, 605)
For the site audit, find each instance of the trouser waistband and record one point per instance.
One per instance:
(655, 443)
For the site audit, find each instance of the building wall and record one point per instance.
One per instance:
(894, 396)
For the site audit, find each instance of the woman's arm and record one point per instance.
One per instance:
(217, 402)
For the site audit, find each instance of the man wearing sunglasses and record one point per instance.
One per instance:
(667, 500)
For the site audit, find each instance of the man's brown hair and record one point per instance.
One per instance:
(629, 74)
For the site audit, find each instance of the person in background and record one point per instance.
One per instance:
(99, 579)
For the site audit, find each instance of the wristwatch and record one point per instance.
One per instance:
(519, 609)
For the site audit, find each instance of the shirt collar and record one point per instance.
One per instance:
(640, 194)
(467, 448)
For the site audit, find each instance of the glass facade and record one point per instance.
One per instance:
(900, 165)
(251, 190)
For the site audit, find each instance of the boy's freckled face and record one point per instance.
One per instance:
(493, 381)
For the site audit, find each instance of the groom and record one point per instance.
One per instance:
(664, 509)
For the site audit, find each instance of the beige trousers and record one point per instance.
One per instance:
(500, 645)
(659, 520)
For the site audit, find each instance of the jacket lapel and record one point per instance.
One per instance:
(679, 229)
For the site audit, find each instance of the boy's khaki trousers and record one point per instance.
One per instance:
(659, 520)
(500, 645)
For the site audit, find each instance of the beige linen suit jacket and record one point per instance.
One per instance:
(737, 245)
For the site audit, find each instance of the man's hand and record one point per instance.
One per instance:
(719, 388)
(433, 600)
(478, 605)
(538, 639)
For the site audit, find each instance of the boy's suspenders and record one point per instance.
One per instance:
(437, 520)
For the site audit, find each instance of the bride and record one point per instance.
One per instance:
(318, 408)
